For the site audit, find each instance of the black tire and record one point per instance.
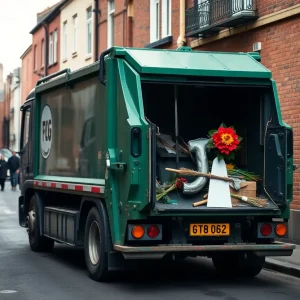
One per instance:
(37, 242)
(97, 237)
(238, 264)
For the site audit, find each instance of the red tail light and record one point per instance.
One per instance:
(153, 231)
(266, 229)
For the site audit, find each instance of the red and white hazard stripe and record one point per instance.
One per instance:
(70, 186)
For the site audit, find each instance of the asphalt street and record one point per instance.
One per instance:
(61, 275)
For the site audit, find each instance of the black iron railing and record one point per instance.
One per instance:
(212, 12)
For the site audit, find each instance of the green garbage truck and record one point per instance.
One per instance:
(117, 158)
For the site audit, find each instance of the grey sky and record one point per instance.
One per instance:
(17, 18)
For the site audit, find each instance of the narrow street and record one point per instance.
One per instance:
(62, 274)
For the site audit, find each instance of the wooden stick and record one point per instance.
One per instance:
(199, 203)
(253, 201)
(184, 171)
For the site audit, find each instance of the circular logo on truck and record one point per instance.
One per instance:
(46, 131)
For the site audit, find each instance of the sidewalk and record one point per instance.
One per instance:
(289, 265)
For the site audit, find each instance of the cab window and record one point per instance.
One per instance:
(25, 127)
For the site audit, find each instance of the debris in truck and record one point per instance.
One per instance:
(177, 184)
(184, 171)
(253, 201)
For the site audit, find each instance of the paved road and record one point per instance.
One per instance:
(61, 275)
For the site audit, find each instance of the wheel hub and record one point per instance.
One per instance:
(94, 243)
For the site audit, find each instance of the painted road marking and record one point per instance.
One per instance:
(7, 292)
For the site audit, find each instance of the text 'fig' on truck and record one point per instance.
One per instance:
(158, 154)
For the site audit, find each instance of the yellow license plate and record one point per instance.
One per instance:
(210, 229)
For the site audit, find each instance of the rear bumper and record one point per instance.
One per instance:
(157, 252)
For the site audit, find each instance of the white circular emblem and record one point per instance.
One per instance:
(46, 131)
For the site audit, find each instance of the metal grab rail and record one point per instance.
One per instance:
(101, 69)
(46, 78)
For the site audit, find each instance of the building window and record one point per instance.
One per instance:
(154, 20)
(64, 40)
(75, 33)
(166, 14)
(89, 31)
(160, 19)
(110, 25)
(55, 48)
(43, 54)
(51, 49)
(35, 58)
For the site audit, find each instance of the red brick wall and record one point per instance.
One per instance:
(55, 25)
(140, 25)
(119, 29)
(266, 7)
(27, 75)
(281, 54)
(37, 41)
(37, 38)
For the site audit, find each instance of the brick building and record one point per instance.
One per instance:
(270, 27)
(27, 73)
(42, 57)
(46, 42)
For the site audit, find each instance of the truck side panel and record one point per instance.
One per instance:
(76, 131)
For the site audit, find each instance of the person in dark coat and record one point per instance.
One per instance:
(14, 169)
(3, 172)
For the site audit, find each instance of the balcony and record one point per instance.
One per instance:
(211, 16)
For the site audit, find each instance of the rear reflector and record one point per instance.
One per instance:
(153, 231)
(138, 231)
(281, 229)
(266, 229)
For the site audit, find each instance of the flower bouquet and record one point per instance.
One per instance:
(162, 191)
(225, 141)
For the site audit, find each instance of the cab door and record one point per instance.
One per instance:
(26, 144)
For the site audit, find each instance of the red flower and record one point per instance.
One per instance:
(226, 140)
(179, 182)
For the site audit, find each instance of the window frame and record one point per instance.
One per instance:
(110, 23)
(155, 11)
(55, 46)
(43, 53)
(35, 58)
(75, 33)
(65, 40)
(50, 58)
(89, 31)
(166, 15)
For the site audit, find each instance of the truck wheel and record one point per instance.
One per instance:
(96, 244)
(37, 242)
(238, 264)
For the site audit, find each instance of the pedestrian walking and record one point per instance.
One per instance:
(3, 172)
(14, 169)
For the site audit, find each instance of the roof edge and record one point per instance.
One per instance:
(26, 52)
(49, 16)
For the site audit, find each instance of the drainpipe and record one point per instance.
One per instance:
(96, 48)
(181, 39)
(46, 48)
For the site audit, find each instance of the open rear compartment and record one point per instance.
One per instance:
(191, 111)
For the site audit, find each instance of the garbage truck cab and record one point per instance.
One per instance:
(118, 158)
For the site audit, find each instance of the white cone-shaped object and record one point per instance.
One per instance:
(219, 191)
